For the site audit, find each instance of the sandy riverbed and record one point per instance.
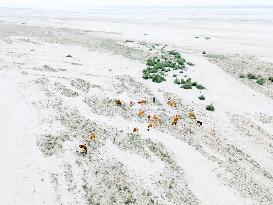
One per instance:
(58, 84)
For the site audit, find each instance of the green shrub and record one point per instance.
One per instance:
(174, 75)
(157, 78)
(69, 56)
(175, 53)
(152, 61)
(210, 107)
(187, 86)
(150, 70)
(200, 87)
(158, 66)
(146, 76)
(182, 81)
(260, 81)
(188, 80)
(270, 79)
(113, 199)
(251, 76)
(181, 61)
(194, 84)
(202, 97)
(242, 76)
(169, 64)
(176, 81)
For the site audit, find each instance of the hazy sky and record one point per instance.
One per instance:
(93, 3)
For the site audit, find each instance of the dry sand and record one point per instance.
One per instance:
(50, 103)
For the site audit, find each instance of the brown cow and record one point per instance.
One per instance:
(84, 148)
(141, 113)
(155, 120)
(93, 136)
(149, 126)
(176, 119)
(172, 103)
(192, 115)
(118, 102)
(135, 130)
(142, 102)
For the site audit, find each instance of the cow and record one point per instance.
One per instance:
(192, 115)
(83, 148)
(118, 102)
(149, 126)
(176, 119)
(93, 136)
(172, 103)
(155, 120)
(131, 103)
(141, 113)
(135, 130)
(142, 102)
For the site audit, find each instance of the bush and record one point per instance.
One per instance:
(181, 61)
(210, 107)
(182, 81)
(169, 64)
(176, 81)
(251, 76)
(146, 76)
(174, 75)
(242, 76)
(69, 56)
(152, 61)
(175, 53)
(158, 66)
(200, 87)
(202, 97)
(187, 86)
(260, 81)
(188, 80)
(150, 70)
(157, 78)
(194, 84)
(270, 79)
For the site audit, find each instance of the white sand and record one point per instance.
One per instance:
(51, 103)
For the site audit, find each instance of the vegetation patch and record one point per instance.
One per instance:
(202, 97)
(200, 87)
(258, 79)
(251, 76)
(157, 68)
(242, 76)
(210, 107)
(187, 86)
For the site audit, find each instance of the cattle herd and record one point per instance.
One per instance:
(151, 120)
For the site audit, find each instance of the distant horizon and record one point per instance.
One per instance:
(148, 6)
